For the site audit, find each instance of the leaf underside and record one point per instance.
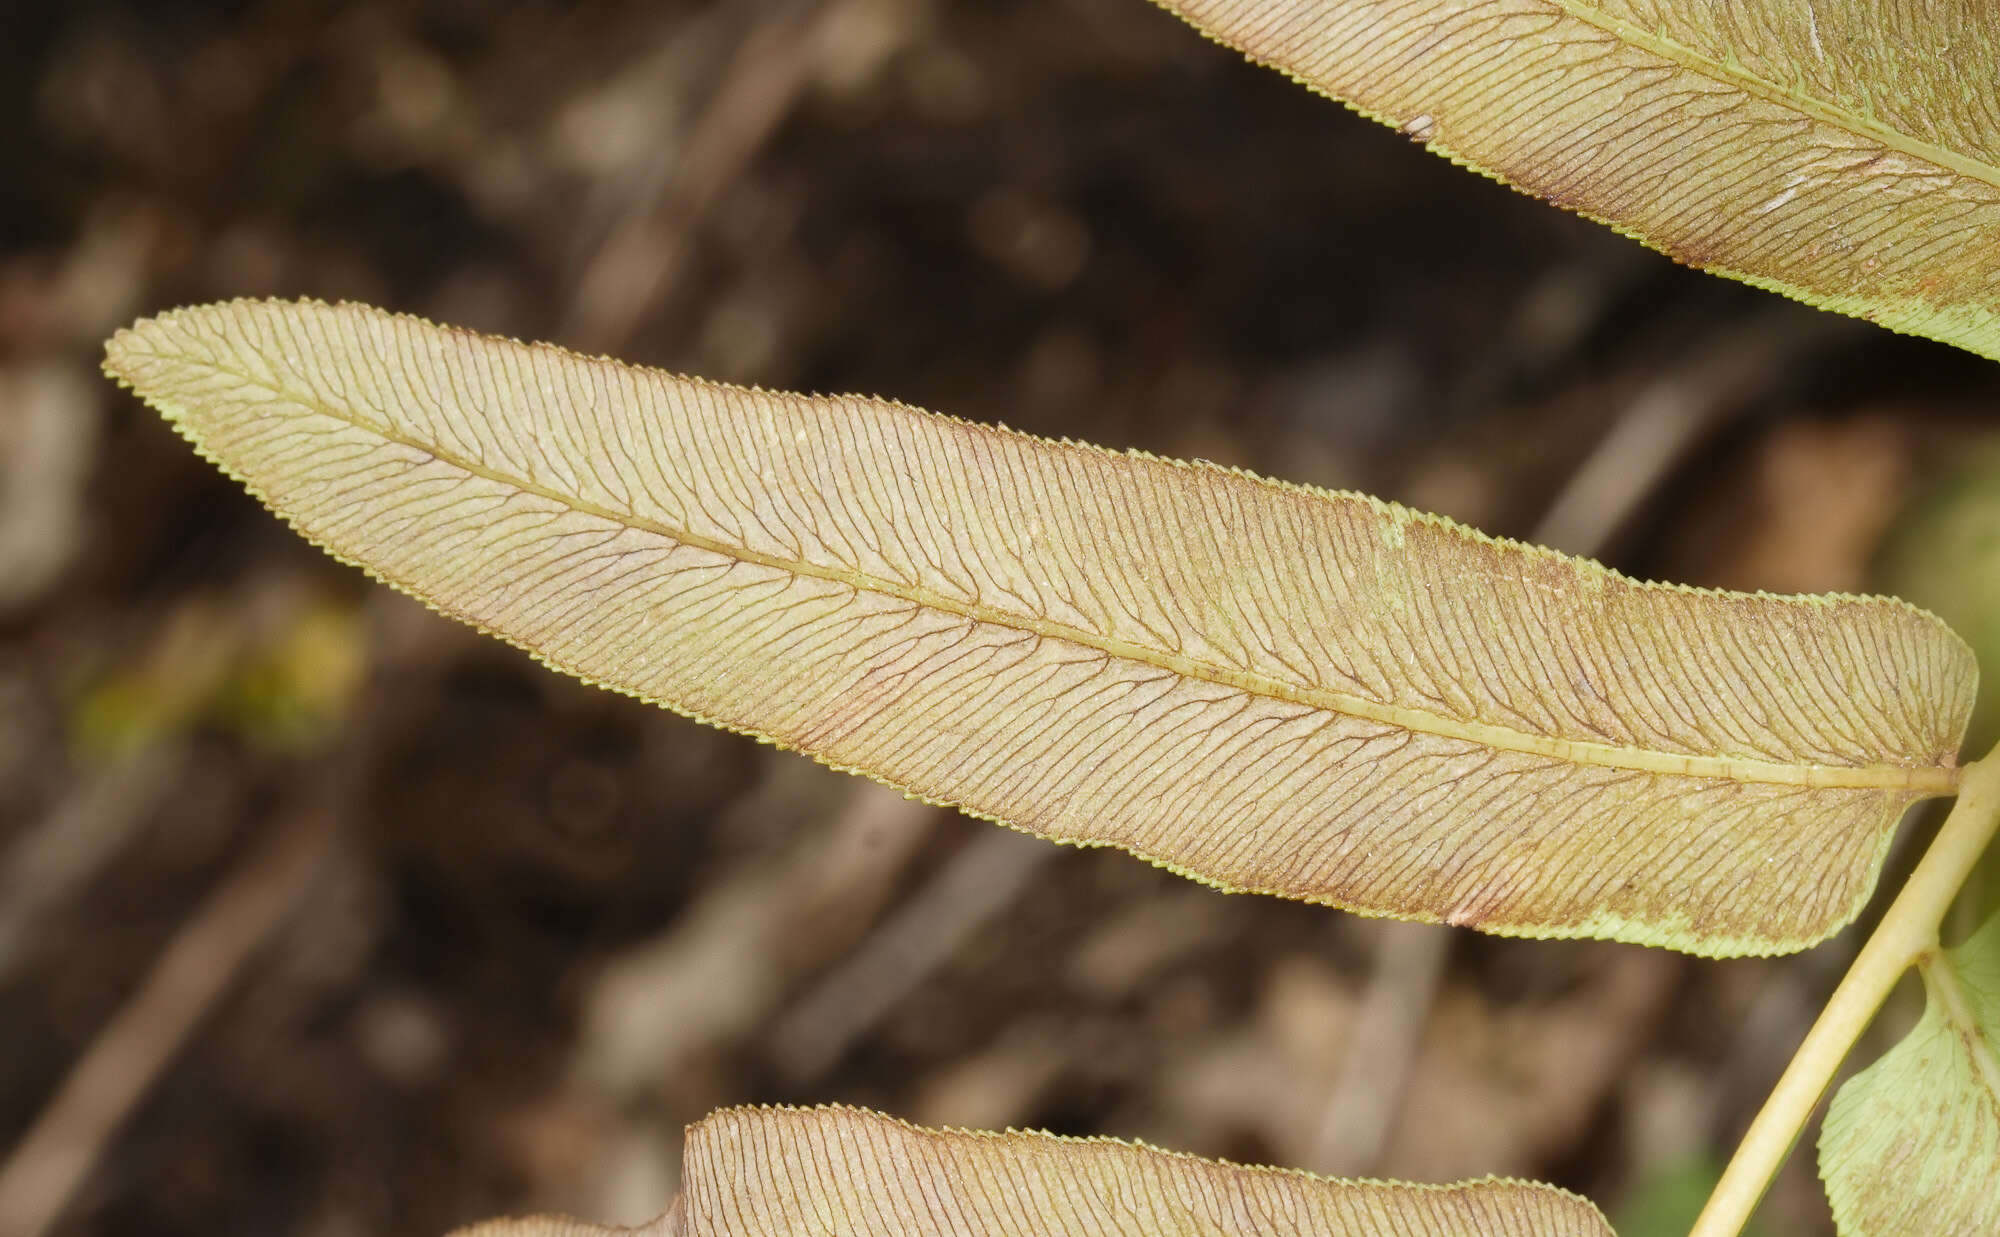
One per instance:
(1842, 152)
(766, 1172)
(1910, 1143)
(1262, 686)
(795, 1172)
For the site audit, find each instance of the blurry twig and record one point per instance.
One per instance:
(191, 974)
(672, 1224)
(1645, 443)
(49, 416)
(979, 882)
(723, 966)
(50, 864)
(1381, 1047)
(1653, 434)
(640, 259)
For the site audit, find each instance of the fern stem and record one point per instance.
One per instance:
(1908, 930)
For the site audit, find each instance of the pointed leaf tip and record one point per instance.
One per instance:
(1264, 686)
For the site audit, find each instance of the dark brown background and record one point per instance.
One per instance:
(552, 925)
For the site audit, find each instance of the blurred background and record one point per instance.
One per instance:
(321, 915)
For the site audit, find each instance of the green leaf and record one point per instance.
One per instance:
(788, 1172)
(1264, 686)
(1667, 1199)
(1910, 1143)
(1842, 152)
(1944, 555)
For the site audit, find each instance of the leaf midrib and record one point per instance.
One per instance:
(1947, 987)
(1923, 780)
(1772, 92)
